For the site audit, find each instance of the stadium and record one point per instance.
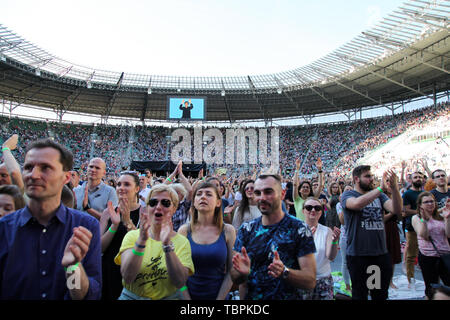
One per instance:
(402, 59)
(397, 70)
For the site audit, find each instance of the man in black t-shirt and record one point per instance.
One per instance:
(441, 192)
(409, 210)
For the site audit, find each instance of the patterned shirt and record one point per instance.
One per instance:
(181, 216)
(291, 238)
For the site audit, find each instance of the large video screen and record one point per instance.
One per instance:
(186, 108)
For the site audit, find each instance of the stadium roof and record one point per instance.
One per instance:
(404, 56)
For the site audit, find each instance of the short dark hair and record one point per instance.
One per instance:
(358, 171)
(65, 156)
(67, 197)
(14, 191)
(277, 178)
(437, 170)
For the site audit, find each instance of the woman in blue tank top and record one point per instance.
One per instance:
(211, 246)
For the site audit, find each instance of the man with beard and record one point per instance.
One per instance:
(409, 210)
(273, 254)
(368, 260)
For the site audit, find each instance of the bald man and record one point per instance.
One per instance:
(93, 196)
(4, 175)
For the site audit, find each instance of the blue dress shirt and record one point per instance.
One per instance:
(31, 254)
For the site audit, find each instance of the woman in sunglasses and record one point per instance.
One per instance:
(247, 209)
(212, 243)
(432, 232)
(326, 241)
(154, 260)
(114, 225)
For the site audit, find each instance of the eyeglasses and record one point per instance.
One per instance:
(317, 208)
(428, 202)
(154, 202)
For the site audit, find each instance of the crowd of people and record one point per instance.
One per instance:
(340, 146)
(254, 234)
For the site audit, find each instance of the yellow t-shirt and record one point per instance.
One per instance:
(153, 281)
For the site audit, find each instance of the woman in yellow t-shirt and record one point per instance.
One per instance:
(155, 260)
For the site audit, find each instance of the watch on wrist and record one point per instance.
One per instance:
(285, 273)
(168, 248)
(86, 207)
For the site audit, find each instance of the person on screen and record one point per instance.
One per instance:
(188, 106)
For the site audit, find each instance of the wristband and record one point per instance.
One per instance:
(111, 230)
(6, 149)
(71, 268)
(168, 179)
(422, 220)
(334, 242)
(379, 189)
(136, 253)
(183, 288)
(139, 246)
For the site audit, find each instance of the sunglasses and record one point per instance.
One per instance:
(428, 202)
(317, 208)
(440, 176)
(154, 202)
(249, 188)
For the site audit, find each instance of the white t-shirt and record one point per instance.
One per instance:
(250, 214)
(322, 263)
(144, 193)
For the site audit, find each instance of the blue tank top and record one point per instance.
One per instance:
(209, 263)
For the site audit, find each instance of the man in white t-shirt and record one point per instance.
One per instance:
(144, 190)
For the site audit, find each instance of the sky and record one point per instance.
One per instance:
(192, 37)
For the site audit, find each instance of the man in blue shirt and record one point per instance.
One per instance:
(273, 254)
(48, 251)
(93, 196)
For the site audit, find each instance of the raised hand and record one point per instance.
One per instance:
(241, 262)
(319, 164)
(144, 227)
(383, 184)
(86, 198)
(297, 163)
(166, 230)
(77, 246)
(11, 143)
(276, 268)
(392, 181)
(446, 210)
(114, 215)
(336, 234)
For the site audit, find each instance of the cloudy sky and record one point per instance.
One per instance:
(192, 37)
